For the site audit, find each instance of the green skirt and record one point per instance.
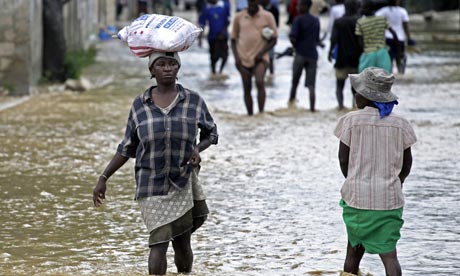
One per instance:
(380, 58)
(377, 231)
(190, 221)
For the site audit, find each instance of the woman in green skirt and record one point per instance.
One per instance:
(375, 158)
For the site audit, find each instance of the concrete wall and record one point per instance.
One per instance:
(83, 18)
(21, 37)
(20, 45)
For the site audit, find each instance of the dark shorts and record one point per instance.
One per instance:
(377, 231)
(188, 222)
(300, 63)
(218, 48)
(393, 50)
(251, 70)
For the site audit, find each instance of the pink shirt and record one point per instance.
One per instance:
(247, 31)
(376, 157)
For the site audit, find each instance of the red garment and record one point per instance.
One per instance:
(292, 9)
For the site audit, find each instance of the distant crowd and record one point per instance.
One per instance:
(362, 34)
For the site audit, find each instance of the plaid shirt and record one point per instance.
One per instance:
(163, 143)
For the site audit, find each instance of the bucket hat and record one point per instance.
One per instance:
(156, 55)
(374, 84)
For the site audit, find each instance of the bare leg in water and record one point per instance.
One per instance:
(246, 77)
(213, 65)
(157, 259)
(391, 263)
(183, 254)
(311, 90)
(339, 93)
(353, 258)
(296, 74)
(222, 65)
(259, 73)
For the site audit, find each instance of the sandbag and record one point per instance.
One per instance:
(159, 33)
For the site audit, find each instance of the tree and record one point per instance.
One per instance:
(54, 46)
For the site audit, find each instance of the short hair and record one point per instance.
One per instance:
(351, 7)
(305, 2)
(369, 7)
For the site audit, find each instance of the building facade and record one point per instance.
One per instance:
(21, 37)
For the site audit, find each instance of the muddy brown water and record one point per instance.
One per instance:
(272, 182)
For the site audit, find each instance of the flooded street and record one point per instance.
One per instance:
(273, 181)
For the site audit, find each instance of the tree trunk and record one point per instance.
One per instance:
(54, 48)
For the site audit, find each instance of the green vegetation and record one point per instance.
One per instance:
(6, 88)
(76, 60)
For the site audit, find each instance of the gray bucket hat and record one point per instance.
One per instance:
(156, 55)
(374, 84)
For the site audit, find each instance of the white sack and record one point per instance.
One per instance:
(159, 33)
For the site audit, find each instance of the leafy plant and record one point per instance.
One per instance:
(76, 60)
(6, 88)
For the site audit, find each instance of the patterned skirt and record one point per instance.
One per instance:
(191, 221)
(177, 212)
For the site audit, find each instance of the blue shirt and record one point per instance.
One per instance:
(163, 143)
(217, 16)
(305, 32)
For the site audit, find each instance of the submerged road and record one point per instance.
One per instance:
(272, 182)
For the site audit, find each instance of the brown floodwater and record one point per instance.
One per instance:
(272, 182)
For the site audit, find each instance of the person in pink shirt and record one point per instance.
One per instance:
(253, 35)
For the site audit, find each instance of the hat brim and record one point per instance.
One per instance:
(373, 95)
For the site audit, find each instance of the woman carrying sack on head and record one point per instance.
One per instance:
(161, 134)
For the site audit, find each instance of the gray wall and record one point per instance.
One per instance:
(21, 37)
(83, 18)
(21, 45)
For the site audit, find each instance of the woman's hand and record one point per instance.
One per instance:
(99, 192)
(195, 158)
